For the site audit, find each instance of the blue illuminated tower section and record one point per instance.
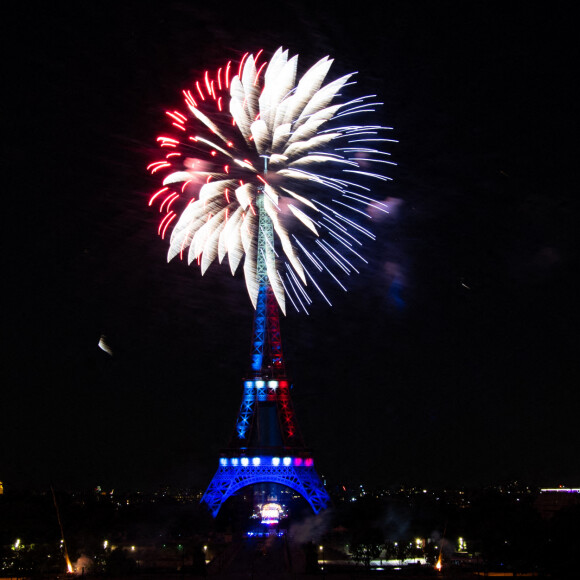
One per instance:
(266, 446)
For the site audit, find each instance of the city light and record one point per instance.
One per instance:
(270, 513)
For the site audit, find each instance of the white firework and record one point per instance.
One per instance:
(260, 140)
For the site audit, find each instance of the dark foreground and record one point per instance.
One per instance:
(277, 558)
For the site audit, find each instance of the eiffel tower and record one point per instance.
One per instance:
(266, 446)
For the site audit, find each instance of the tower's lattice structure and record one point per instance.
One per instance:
(266, 446)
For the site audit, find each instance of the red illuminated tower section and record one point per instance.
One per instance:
(266, 417)
(266, 446)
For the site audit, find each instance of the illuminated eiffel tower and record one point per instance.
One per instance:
(267, 446)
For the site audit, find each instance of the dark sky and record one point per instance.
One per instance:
(453, 358)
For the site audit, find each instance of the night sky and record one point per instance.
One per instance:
(453, 358)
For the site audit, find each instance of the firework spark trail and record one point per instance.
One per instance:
(265, 117)
(69, 567)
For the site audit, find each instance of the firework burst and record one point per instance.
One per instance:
(252, 140)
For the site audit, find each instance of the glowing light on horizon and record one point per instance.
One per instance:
(271, 513)
(267, 116)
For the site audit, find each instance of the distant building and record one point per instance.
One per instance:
(554, 499)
